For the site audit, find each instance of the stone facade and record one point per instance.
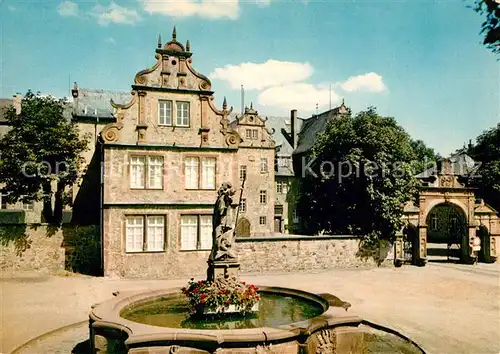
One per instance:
(171, 119)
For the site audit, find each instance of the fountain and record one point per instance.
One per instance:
(231, 317)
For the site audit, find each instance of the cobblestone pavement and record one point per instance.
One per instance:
(446, 308)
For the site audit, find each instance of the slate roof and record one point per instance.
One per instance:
(96, 103)
(311, 127)
(461, 165)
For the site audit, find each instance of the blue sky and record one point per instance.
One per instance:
(421, 62)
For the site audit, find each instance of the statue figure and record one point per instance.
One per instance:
(223, 234)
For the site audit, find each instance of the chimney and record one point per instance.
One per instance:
(294, 128)
(16, 102)
(74, 94)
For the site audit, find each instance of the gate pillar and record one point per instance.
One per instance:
(422, 245)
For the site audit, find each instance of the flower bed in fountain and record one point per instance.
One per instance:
(224, 295)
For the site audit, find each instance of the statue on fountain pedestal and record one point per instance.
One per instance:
(223, 232)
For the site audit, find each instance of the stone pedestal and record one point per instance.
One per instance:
(224, 268)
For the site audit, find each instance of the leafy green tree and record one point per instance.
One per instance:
(490, 28)
(362, 176)
(40, 154)
(425, 156)
(487, 152)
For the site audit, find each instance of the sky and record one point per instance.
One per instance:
(421, 62)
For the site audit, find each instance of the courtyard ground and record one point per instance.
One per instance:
(445, 308)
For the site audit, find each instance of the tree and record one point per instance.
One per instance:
(490, 28)
(362, 176)
(40, 154)
(425, 156)
(487, 152)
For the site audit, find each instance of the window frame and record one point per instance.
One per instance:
(279, 187)
(145, 233)
(252, 134)
(243, 205)
(244, 169)
(160, 101)
(146, 167)
(262, 217)
(198, 232)
(262, 193)
(434, 222)
(264, 165)
(188, 114)
(295, 216)
(200, 172)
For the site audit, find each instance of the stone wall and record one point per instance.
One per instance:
(297, 253)
(279, 253)
(31, 247)
(49, 249)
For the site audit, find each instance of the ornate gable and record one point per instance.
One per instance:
(253, 130)
(170, 83)
(173, 69)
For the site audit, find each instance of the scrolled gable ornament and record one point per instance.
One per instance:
(111, 132)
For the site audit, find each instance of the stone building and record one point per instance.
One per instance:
(285, 214)
(164, 157)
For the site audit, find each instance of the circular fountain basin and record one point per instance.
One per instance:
(288, 321)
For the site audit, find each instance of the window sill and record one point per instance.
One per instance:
(144, 252)
(200, 189)
(197, 250)
(145, 189)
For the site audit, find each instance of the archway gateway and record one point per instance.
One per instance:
(447, 238)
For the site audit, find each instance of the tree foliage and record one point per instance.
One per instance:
(425, 156)
(368, 165)
(40, 154)
(487, 152)
(490, 28)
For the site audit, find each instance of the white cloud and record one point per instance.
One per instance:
(68, 9)
(255, 76)
(114, 13)
(212, 9)
(301, 96)
(371, 82)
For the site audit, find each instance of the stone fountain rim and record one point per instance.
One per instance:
(107, 315)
